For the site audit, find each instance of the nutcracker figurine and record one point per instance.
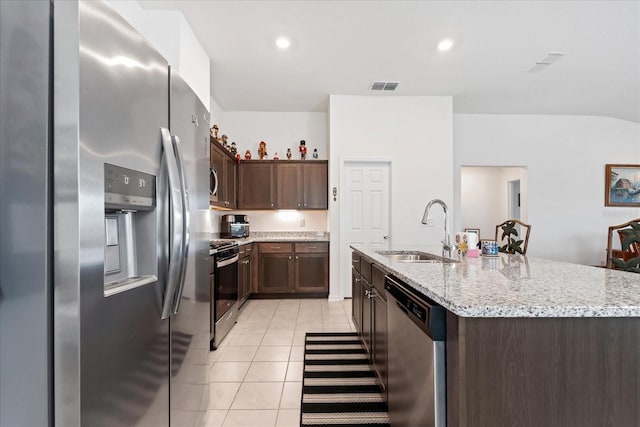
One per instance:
(303, 150)
(288, 153)
(262, 150)
(315, 153)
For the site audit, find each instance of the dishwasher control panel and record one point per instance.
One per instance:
(428, 315)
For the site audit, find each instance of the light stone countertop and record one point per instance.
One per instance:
(516, 286)
(277, 236)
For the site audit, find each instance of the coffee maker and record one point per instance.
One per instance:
(234, 226)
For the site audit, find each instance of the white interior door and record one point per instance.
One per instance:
(364, 216)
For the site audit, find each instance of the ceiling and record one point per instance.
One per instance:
(339, 47)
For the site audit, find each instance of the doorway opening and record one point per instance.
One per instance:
(490, 195)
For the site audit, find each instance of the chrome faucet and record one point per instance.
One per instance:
(426, 219)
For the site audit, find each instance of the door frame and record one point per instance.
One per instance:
(511, 185)
(344, 256)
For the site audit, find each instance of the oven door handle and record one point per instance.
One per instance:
(229, 261)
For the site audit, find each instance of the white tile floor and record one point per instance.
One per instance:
(256, 373)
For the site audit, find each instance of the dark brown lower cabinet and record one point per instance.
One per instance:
(276, 273)
(356, 298)
(244, 274)
(311, 267)
(366, 317)
(552, 372)
(369, 311)
(379, 325)
(300, 268)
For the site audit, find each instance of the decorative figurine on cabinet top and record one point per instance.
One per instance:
(214, 133)
(223, 141)
(240, 158)
(247, 155)
(262, 150)
(234, 148)
(315, 153)
(303, 150)
(275, 156)
(288, 153)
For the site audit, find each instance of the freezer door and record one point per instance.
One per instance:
(111, 99)
(25, 220)
(189, 124)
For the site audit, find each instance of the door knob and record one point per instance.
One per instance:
(386, 237)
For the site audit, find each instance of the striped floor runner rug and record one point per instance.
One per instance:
(339, 386)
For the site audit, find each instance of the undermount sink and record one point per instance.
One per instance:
(414, 256)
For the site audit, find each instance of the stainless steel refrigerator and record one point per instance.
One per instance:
(104, 294)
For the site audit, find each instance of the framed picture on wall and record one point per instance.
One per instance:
(622, 185)
(473, 230)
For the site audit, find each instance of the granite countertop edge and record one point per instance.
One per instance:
(474, 288)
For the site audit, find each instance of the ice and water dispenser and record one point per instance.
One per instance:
(130, 227)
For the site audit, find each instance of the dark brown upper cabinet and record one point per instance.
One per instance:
(286, 184)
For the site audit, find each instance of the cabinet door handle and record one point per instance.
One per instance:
(312, 247)
(289, 257)
(297, 257)
(298, 204)
(275, 247)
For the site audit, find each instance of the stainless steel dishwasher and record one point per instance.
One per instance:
(417, 376)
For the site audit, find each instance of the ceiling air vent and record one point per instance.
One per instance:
(543, 63)
(379, 85)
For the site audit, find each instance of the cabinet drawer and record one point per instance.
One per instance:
(312, 247)
(245, 250)
(275, 248)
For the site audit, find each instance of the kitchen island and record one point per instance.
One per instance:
(532, 342)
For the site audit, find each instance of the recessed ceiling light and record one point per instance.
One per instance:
(283, 43)
(445, 45)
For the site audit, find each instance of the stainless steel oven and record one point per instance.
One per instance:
(225, 290)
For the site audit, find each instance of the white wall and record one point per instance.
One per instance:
(170, 34)
(565, 157)
(484, 197)
(416, 135)
(280, 130)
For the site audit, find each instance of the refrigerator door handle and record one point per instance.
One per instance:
(176, 222)
(185, 225)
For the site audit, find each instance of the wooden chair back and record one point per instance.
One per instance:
(633, 251)
(525, 229)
